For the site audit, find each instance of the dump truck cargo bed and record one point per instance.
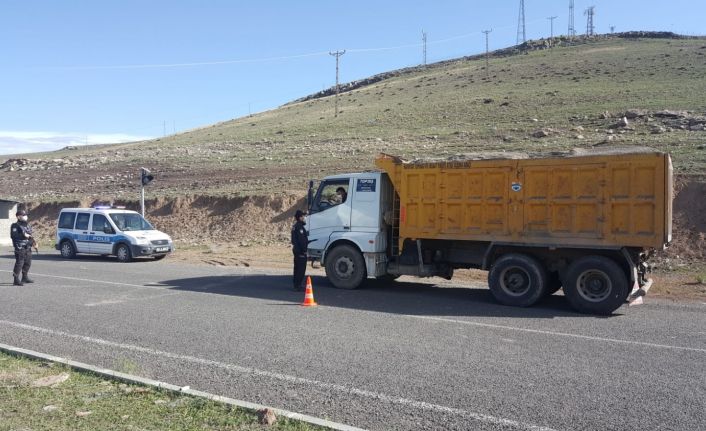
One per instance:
(594, 200)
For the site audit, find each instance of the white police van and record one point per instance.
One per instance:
(108, 230)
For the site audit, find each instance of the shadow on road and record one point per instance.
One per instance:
(399, 297)
(55, 256)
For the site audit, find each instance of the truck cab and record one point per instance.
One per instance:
(348, 233)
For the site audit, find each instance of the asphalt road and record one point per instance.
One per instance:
(399, 356)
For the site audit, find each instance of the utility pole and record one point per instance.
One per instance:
(551, 29)
(337, 54)
(572, 30)
(164, 128)
(589, 20)
(424, 45)
(487, 72)
(521, 34)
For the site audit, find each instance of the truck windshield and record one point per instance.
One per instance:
(130, 221)
(330, 194)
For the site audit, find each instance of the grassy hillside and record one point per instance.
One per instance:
(574, 94)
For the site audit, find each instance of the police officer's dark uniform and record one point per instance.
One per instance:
(21, 234)
(300, 241)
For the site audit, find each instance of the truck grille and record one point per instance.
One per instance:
(160, 242)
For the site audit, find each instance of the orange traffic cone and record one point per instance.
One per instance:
(309, 295)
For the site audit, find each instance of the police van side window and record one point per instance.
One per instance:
(66, 220)
(100, 224)
(82, 221)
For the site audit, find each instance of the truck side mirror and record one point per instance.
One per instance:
(310, 195)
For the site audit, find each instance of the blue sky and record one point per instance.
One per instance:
(85, 71)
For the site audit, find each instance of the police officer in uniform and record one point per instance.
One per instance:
(21, 234)
(300, 241)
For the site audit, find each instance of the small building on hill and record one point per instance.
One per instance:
(8, 210)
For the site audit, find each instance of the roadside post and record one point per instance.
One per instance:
(145, 178)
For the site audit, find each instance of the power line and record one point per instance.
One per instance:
(521, 33)
(572, 30)
(337, 54)
(487, 72)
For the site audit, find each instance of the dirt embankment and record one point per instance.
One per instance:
(193, 220)
(689, 219)
(266, 220)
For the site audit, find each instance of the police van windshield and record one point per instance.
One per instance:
(130, 221)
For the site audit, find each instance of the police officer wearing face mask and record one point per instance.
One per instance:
(300, 241)
(21, 234)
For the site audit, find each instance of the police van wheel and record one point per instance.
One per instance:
(345, 267)
(67, 250)
(123, 253)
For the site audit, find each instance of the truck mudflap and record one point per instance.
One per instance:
(638, 292)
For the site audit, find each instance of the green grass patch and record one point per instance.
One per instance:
(87, 402)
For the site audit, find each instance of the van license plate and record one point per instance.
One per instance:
(158, 249)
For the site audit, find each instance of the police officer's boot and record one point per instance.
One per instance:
(26, 279)
(17, 281)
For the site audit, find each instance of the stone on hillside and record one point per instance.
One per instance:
(631, 114)
(671, 114)
(604, 115)
(541, 133)
(697, 128)
(656, 130)
(623, 122)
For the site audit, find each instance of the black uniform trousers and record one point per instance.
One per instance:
(23, 260)
(299, 271)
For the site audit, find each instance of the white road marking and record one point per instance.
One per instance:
(558, 334)
(128, 299)
(422, 405)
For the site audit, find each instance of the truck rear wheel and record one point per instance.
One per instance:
(596, 284)
(345, 267)
(518, 280)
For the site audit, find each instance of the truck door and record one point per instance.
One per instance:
(330, 211)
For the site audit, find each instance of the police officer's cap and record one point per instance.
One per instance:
(21, 212)
(299, 213)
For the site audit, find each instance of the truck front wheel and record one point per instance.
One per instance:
(345, 267)
(518, 280)
(596, 284)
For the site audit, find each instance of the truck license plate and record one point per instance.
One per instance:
(158, 249)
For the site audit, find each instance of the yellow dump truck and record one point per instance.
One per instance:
(584, 221)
